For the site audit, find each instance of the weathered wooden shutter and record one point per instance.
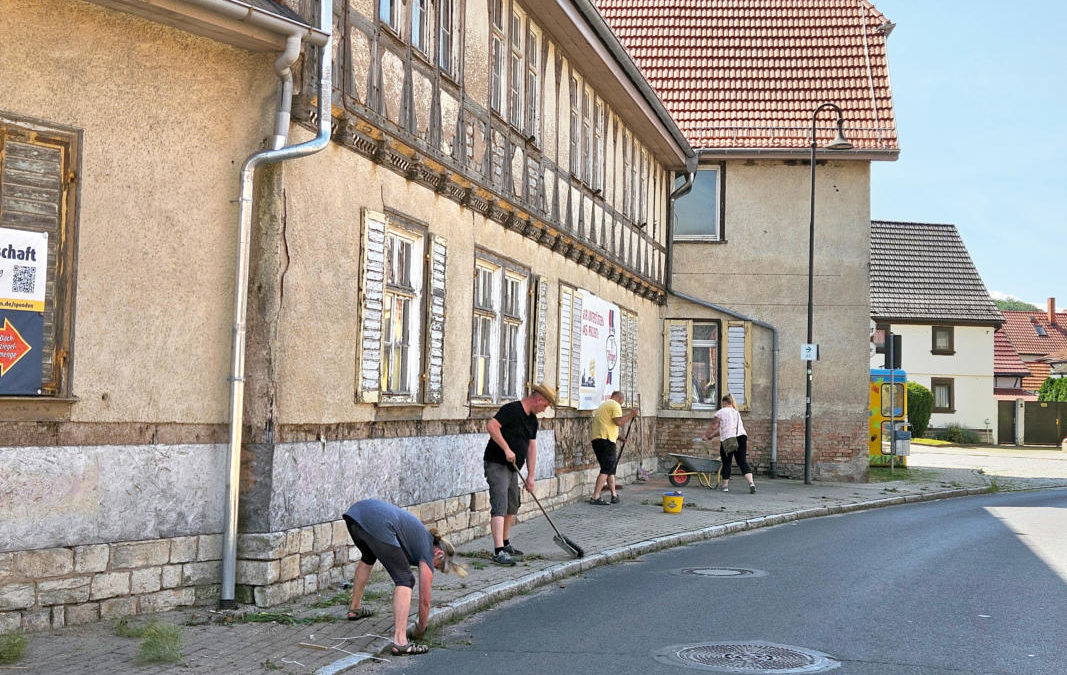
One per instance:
(540, 332)
(737, 361)
(576, 349)
(566, 307)
(371, 292)
(34, 190)
(437, 258)
(628, 356)
(677, 336)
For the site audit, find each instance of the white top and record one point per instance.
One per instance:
(730, 424)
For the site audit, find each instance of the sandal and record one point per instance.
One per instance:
(410, 649)
(598, 501)
(359, 613)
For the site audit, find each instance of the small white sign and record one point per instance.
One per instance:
(809, 352)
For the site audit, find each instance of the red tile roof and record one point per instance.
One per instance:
(1022, 330)
(1006, 361)
(1006, 394)
(1039, 373)
(749, 74)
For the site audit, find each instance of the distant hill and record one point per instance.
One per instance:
(1015, 305)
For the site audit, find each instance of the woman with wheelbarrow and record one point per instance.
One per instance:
(733, 440)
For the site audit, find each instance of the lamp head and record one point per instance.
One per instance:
(839, 141)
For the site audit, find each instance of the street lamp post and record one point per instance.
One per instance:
(838, 143)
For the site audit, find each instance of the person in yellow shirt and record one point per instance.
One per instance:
(606, 422)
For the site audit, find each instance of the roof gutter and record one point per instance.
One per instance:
(798, 153)
(247, 13)
(607, 36)
(691, 167)
(277, 153)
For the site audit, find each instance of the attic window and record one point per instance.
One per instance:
(1040, 330)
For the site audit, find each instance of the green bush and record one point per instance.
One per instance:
(954, 433)
(1053, 389)
(920, 405)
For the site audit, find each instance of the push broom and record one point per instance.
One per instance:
(565, 543)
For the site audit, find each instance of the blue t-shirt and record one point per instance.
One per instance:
(393, 525)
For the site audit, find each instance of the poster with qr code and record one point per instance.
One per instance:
(23, 269)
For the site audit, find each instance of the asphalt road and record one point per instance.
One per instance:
(971, 585)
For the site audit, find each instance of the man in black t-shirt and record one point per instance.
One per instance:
(512, 443)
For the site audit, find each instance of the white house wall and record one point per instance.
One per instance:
(971, 369)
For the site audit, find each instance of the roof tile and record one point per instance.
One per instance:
(703, 57)
(923, 272)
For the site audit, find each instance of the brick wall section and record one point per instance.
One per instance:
(839, 445)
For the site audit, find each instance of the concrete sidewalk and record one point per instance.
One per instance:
(323, 642)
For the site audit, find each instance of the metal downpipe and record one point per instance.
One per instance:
(237, 375)
(691, 168)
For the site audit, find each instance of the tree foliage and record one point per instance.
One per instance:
(1053, 389)
(920, 405)
(1014, 304)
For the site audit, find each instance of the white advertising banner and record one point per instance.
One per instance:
(599, 351)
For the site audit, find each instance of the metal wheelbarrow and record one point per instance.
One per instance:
(708, 470)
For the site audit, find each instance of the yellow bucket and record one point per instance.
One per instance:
(672, 502)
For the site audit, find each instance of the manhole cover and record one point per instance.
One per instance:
(721, 572)
(746, 657)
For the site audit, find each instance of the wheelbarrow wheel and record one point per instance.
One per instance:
(678, 476)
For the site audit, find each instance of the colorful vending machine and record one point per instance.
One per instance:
(888, 410)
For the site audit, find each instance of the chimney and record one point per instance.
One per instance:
(1052, 311)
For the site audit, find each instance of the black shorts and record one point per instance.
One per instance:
(373, 550)
(605, 454)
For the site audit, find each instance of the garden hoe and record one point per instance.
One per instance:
(572, 549)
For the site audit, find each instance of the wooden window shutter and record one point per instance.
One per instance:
(677, 337)
(437, 258)
(372, 291)
(628, 356)
(37, 196)
(540, 333)
(576, 349)
(738, 358)
(566, 307)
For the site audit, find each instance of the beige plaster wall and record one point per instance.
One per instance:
(319, 319)
(167, 118)
(761, 270)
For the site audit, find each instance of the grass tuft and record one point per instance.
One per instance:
(12, 646)
(339, 598)
(161, 643)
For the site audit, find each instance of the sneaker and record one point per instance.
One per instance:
(597, 501)
(503, 558)
(726, 489)
(614, 499)
(752, 488)
(513, 552)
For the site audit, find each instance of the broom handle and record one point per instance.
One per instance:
(538, 502)
(626, 438)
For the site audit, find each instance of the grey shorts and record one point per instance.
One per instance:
(504, 490)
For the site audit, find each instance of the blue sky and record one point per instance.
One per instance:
(980, 96)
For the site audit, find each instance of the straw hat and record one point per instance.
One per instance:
(548, 392)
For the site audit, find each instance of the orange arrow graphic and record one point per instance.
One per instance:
(12, 347)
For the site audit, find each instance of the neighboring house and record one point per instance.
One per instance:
(744, 81)
(1040, 339)
(486, 187)
(925, 288)
(1008, 371)
(1057, 363)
